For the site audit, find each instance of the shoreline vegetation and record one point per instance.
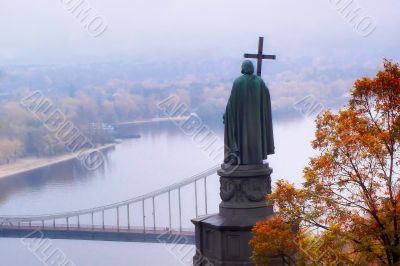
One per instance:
(28, 164)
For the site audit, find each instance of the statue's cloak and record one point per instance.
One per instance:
(248, 120)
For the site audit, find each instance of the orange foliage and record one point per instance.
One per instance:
(351, 189)
(274, 237)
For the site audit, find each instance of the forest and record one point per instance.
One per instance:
(106, 93)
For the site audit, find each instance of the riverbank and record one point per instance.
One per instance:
(34, 163)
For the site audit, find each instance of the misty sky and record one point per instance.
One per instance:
(43, 31)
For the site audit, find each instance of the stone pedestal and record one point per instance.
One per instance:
(223, 239)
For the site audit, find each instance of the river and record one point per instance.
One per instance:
(162, 156)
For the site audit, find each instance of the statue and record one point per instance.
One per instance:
(223, 238)
(248, 120)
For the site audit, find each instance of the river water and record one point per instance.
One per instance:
(162, 156)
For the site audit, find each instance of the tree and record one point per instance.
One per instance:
(351, 188)
(10, 150)
(274, 237)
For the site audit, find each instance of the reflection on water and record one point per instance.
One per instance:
(62, 174)
(97, 253)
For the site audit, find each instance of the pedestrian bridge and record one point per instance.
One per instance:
(153, 217)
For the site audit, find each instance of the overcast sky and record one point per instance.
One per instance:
(44, 31)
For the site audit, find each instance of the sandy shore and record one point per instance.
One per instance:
(34, 163)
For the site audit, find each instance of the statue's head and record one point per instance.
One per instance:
(247, 67)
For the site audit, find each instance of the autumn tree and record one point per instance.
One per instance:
(274, 237)
(351, 188)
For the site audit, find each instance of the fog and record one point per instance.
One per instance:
(46, 32)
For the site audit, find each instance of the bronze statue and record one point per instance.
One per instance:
(248, 120)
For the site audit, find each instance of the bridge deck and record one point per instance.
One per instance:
(148, 235)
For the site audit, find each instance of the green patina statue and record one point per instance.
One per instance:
(248, 120)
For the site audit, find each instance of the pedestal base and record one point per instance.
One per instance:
(223, 239)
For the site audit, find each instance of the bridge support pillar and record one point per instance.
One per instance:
(223, 239)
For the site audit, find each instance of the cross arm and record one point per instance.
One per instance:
(250, 55)
(273, 57)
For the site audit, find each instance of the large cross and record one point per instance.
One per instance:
(260, 55)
